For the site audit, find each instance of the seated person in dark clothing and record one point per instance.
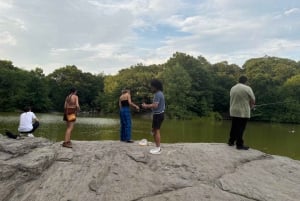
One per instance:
(28, 122)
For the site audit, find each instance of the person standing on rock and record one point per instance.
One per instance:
(71, 108)
(125, 115)
(158, 108)
(28, 122)
(242, 99)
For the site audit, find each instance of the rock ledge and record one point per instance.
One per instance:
(35, 169)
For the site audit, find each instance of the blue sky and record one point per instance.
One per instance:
(108, 35)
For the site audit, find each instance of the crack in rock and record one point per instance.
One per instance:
(236, 166)
(161, 192)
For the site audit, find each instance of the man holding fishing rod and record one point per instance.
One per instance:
(242, 100)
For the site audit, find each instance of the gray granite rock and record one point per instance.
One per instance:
(35, 169)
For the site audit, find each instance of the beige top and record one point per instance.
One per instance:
(72, 102)
(241, 98)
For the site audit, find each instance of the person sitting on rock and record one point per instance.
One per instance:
(28, 122)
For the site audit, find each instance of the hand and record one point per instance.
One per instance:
(144, 105)
(137, 108)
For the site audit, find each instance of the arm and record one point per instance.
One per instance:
(65, 105)
(34, 118)
(120, 103)
(132, 104)
(252, 99)
(150, 106)
(153, 105)
(77, 103)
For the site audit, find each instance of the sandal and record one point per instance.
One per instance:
(67, 144)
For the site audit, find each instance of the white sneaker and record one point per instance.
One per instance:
(155, 151)
(30, 135)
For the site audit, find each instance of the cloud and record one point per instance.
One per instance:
(7, 39)
(107, 35)
(292, 11)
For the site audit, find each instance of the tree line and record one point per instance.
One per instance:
(193, 87)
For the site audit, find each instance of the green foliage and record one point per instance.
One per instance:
(177, 86)
(192, 86)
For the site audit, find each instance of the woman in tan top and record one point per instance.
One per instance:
(71, 107)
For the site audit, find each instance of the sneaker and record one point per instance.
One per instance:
(242, 147)
(30, 135)
(151, 133)
(155, 151)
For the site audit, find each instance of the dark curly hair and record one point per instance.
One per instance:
(156, 84)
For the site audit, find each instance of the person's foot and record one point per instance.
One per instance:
(230, 144)
(30, 135)
(151, 133)
(67, 144)
(130, 141)
(155, 151)
(242, 147)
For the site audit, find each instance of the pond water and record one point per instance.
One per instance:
(271, 138)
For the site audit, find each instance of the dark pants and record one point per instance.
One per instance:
(125, 121)
(35, 125)
(238, 126)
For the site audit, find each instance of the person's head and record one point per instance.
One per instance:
(243, 79)
(73, 90)
(27, 109)
(125, 91)
(156, 85)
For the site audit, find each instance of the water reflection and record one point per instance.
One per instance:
(267, 137)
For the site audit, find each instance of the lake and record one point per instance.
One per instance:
(271, 138)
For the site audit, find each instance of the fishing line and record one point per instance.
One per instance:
(275, 103)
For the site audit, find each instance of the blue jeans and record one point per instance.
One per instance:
(125, 121)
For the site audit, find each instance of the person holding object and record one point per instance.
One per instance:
(242, 100)
(71, 108)
(158, 108)
(125, 115)
(28, 122)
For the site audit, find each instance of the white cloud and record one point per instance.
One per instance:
(7, 39)
(5, 4)
(292, 11)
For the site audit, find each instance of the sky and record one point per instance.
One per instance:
(104, 36)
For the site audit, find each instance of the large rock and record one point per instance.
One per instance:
(34, 169)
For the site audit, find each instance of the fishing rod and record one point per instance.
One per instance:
(275, 103)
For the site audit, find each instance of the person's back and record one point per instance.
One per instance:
(241, 100)
(26, 122)
(240, 97)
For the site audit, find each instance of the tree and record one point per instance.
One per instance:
(177, 86)
(202, 82)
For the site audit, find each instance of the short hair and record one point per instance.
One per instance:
(243, 79)
(26, 108)
(124, 91)
(155, 83)
(73, 90)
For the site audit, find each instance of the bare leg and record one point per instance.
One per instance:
(70, 126)
(156, 133)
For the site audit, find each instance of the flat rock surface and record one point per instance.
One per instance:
(33, 169)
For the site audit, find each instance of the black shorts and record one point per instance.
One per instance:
(157, 120)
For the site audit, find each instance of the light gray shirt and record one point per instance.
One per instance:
(160, 100)
(240, 97)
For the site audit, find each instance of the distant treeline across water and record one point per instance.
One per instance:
(193, 87)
